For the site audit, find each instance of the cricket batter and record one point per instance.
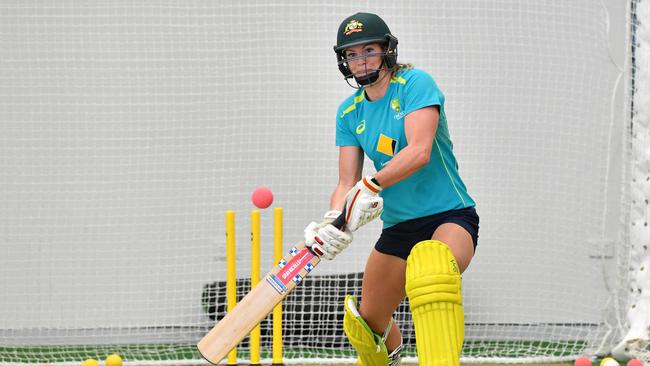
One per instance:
(396, 117)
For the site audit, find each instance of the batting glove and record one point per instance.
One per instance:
(362, 203)
(326, 240)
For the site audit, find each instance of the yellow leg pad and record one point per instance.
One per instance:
(369, 345)
(433, 285)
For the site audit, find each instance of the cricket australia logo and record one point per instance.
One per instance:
(394, 104)
(454, 266)
(352, 27)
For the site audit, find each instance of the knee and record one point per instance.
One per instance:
(432, 275)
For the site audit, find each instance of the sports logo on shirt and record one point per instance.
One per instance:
(361, 127)
(386, 145)
(352, 27)
(394, 104)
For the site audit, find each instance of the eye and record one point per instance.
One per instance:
(370, 51)
(350, 55)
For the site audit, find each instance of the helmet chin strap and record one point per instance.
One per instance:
(369, 79)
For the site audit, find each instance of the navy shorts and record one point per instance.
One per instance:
(399, 239)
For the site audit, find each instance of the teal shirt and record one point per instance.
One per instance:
(378, 128)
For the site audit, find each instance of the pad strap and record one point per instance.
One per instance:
(370, 346)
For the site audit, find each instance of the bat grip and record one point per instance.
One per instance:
(339, 222)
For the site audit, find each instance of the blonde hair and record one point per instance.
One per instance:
(399, 67)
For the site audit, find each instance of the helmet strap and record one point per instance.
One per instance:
(368, 79)
(371, 78)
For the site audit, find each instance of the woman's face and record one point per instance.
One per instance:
(364, 59)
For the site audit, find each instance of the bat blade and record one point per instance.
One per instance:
(258, 303)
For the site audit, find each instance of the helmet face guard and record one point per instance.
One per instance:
(364, 28)
(389, 60)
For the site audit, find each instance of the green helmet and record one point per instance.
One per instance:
(362, 28)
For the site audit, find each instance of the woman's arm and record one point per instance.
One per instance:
(350, 168)
(420, 127)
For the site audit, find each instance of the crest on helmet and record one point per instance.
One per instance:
(352, 27)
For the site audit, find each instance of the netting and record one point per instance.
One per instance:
(129, 128)
(633, 291)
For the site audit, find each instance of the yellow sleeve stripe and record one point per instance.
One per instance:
(348, 110)
(356, 101)
(398, 79)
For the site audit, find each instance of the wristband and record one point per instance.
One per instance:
(374, 180)
(371, 184)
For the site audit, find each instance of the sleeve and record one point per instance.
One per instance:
(421, 91)
(344, 136)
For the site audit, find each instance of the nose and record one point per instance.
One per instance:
(360, 61)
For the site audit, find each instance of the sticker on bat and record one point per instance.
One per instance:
(295, 265)
(277, 284)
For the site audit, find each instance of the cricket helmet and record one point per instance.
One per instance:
(363, 28)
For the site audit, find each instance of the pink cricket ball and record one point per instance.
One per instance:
(582, 361)
(634, 362)
(262, 197)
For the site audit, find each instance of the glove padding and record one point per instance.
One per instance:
(362, 203)
(325, 239)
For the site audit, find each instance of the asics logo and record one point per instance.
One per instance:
(361, 127)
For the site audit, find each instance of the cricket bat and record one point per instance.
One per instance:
(260, 301)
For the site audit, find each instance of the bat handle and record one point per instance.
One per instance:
(339, 222)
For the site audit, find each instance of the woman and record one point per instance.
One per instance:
(430, 226)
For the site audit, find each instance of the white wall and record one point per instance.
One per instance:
(128, 130)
